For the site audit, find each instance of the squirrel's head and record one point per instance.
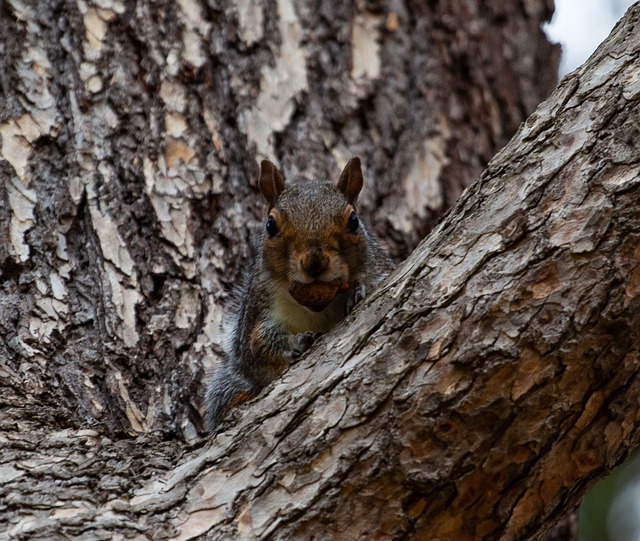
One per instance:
(312, 234)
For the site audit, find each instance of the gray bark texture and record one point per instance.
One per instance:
(476, 394)
(131, 134)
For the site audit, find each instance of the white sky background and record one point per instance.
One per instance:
(581, 25)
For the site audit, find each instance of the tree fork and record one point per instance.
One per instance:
(494, 377)
(477, 394)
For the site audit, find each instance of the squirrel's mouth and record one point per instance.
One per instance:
(317, 295)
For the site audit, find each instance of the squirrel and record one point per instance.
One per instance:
(317, 262)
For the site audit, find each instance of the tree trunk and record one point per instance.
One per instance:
(131, 134)
(477, 394)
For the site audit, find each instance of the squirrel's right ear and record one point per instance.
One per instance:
(350, 181)
(271, 182)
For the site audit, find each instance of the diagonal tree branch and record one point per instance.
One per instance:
(476, 395)
(494, 377)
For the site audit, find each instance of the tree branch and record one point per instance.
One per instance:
(477, 394)
(493, 378)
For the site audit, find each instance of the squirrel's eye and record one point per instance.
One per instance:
(272, 227)
(353, 223)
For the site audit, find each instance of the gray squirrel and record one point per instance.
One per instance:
(317, 261)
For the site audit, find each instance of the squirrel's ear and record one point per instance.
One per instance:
(271, 182)
(350, 181)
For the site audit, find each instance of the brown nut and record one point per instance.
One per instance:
(316, 295)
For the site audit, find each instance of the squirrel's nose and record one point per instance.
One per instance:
(314, 262)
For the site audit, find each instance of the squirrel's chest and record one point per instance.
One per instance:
(295, 318)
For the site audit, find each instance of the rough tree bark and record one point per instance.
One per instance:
(130, 134)
(477, 394)
(498, 371)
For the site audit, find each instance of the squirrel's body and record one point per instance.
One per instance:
(317, 261)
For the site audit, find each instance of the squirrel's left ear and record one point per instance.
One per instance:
(350, 181)
(271, 182)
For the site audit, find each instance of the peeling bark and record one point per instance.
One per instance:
(494, 377)
(130, 134)
(477, 394)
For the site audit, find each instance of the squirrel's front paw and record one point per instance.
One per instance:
(299, 343)
(357, 294)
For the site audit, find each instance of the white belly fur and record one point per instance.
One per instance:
(295, 318)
